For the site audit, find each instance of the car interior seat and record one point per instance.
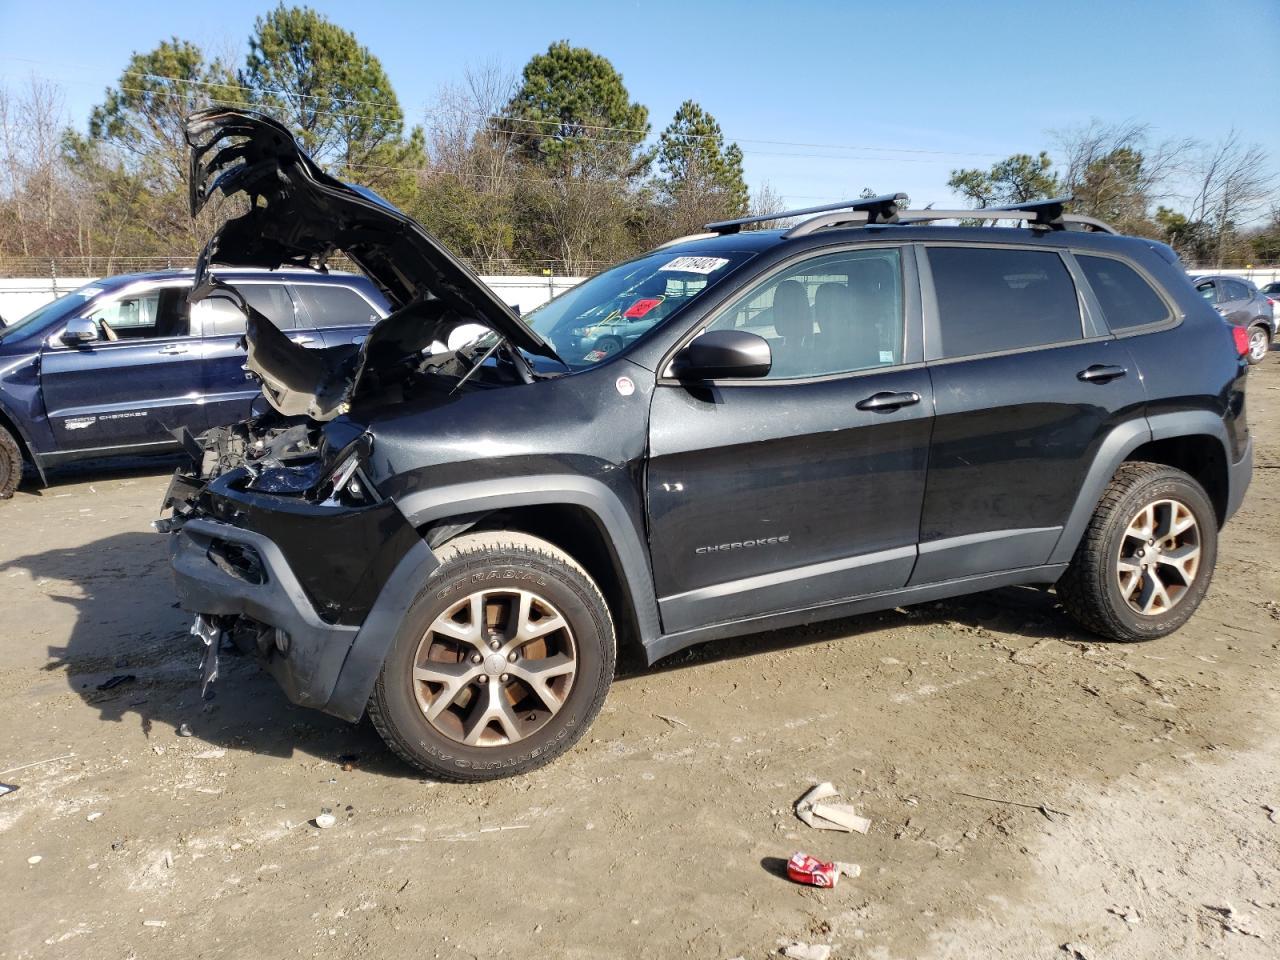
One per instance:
(793, 322)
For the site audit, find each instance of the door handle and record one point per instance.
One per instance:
(172, 348)
(303, 341)
(888, 401)
(1101, 373)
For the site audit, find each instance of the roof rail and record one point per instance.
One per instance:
(882, 209)
(1039, 215)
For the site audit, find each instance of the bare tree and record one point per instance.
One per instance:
(1232, 183)
(472, 173)
(33, 181)
(1116, 171)
(765, 200)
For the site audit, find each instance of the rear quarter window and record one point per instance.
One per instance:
(1127, 300)
(991, 300)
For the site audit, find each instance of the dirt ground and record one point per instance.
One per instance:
(661, 834)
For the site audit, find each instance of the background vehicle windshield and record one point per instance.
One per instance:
(613, 309)
(50, 313)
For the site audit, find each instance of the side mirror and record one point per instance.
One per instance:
(723, 354)
(80, 331)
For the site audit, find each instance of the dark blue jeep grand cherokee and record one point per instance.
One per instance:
(116, 366)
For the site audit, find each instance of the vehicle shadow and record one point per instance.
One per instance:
(100, 469)
(129, 637)
(127, 625)
(1030, 612)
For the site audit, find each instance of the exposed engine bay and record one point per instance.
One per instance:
(297, 215)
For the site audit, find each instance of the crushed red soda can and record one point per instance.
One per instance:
(803, 868)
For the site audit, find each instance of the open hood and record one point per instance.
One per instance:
(299, 216)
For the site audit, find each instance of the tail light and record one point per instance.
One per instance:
(1241, 337)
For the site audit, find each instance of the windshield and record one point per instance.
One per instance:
(51, 312)
(612, 310)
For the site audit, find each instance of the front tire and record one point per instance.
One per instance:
(1147, 557)
(1259, 343)
(500, 664)
(10, 464)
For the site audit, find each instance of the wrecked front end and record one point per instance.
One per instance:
(281, 545)
(280, 540)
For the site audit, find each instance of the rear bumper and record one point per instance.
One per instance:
(1238, 477)
(324, 652)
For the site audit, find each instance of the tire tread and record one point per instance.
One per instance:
(11, 453)
(1082, 589)
(458, 550)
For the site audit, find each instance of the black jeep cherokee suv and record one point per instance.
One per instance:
(864, 410)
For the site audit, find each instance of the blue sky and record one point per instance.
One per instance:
(824, 97)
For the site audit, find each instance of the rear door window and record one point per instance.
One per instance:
(991, 300)
(1126, 299)
(272, 300)
(217, 317)
(1236, 290)
(330, 305)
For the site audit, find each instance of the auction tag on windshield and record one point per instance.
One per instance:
(695, 264)
(641, 307)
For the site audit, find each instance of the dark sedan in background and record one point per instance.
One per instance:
(1243, 305)
(116, 366)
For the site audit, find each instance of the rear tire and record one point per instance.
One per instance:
(1259, 343)
(10, 464)
(528, 607)
(1147, 557)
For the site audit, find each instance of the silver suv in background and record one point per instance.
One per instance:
(1242, 305)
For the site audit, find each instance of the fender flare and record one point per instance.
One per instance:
(1115, 449)
(369, 649)
(629, 547)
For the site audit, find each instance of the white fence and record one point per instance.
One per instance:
(20, 296)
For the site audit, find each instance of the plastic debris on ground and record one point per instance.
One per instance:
(7, 788)
(806, 951)
(325, 820)
(829, 816)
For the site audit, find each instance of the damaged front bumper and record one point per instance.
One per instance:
(315, 592)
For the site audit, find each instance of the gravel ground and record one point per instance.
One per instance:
(662, 834)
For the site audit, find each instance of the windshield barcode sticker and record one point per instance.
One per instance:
(695, 264)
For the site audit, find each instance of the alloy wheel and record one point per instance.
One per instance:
(494, 667)
(1159, 557)
(1259, 344)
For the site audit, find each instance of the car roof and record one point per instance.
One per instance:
(1222, 276)
(760, 241)
(237, 273)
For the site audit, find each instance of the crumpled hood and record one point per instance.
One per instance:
(299, 216)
